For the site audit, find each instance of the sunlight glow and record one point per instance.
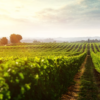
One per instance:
(49, 18)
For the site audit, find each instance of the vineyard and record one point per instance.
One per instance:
(45, 71)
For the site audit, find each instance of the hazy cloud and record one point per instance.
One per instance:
(81, 12)
(35, 10)
(47, 15)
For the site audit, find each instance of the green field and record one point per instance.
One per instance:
(42, 71)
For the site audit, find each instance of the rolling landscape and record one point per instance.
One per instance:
(49, 50)
(64, 71)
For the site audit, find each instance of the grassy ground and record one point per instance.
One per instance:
(89, 90)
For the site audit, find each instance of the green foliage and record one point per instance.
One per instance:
(38, 78)
(41, 71)
(42, 49)
(96, 61)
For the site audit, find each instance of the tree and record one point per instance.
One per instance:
(35, 41)
(4, 40)
(19, 37)
(15, 38)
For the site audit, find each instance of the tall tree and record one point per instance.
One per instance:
(4, 40)
(19, 37)
(15, 38)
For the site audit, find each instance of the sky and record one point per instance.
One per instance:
(50, 18)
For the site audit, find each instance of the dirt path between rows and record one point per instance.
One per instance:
(73, 91)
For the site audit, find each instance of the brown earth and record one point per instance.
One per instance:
(73, 91)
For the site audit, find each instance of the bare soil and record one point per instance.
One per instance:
(73, 91)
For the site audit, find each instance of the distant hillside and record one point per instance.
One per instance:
(76, 39)
(30, 40)
(59, 39)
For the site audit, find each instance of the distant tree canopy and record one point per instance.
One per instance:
(15, 38)
(35, 41)
(4, 40)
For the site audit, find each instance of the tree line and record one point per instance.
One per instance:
(14, 38)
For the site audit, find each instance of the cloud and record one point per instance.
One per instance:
(79, 13)
(83, 13)
(89, 2)
(65, 14)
